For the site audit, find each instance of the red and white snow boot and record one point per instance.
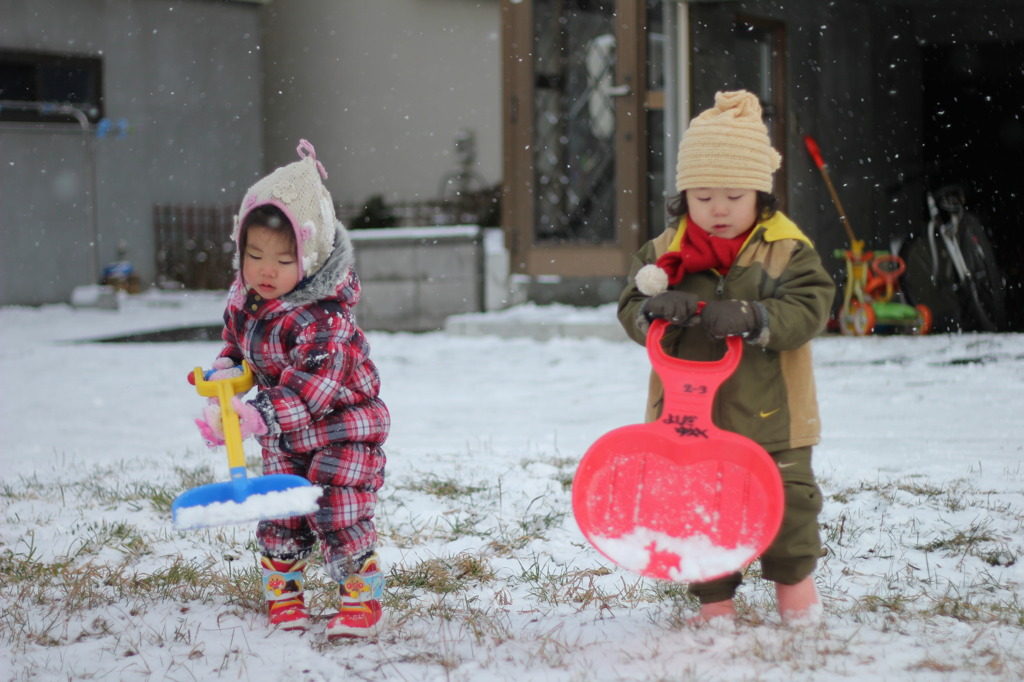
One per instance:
(282, 585)
(359, 614)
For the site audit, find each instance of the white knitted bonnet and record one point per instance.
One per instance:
(298, 191)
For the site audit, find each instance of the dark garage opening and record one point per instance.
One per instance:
(973, 131)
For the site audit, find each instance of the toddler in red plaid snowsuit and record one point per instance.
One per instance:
(316, 412)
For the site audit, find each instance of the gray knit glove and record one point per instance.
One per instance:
(677, 307)
(733, 318)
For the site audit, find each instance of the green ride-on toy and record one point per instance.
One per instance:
(872, 281)
(871, 277)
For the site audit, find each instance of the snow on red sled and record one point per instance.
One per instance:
(680, 499)
(242, 499)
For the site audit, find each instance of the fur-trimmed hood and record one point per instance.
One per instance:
(332, 276)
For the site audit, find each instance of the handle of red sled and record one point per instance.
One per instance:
(691, 383)
(224, 390)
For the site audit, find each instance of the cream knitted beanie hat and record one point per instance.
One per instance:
(298, 190)
(727, 146)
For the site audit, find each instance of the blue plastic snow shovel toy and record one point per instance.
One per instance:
(242, 499)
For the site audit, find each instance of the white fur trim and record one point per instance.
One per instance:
(310, 248)
(651, 280)
(327, 215)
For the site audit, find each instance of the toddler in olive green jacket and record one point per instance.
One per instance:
(758, 277)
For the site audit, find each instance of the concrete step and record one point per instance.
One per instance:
(540, 322)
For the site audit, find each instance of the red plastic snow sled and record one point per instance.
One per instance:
(680, 499)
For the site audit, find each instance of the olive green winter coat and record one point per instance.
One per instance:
(771, 397)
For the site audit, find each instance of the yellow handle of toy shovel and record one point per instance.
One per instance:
(224, 390)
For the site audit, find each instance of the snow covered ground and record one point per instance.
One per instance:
(489, 577)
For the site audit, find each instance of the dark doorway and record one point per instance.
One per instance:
(973, 128)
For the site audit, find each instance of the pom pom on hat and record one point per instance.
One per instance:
(651, 280)
(728, 146)
(298, 190)
(655, 278)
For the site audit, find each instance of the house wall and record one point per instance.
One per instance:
(382, 89)
(185, 74)
(217, 92)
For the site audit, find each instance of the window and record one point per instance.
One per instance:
(38, 87)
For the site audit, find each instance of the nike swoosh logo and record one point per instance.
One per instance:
(765, 415)
(783, 465)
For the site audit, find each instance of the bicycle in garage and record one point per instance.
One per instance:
(952, 268)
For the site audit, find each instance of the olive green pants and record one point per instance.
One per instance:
(794, 553)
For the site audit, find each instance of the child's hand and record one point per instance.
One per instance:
(222, 368)
(210, 425)
(249, 418)
(731, 318)
(678, 307)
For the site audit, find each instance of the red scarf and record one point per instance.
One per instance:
(700, 251)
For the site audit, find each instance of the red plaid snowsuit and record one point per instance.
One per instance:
(317, 391)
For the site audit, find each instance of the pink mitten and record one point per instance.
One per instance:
(210, 425)
(223, 368)
(249, 418)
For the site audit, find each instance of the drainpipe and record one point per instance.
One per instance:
(676, 17)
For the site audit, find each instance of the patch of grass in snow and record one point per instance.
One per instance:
(902, 542)
(109, 492)
(566, 469)
(106, 488)
(42, 596)
(914, 489)
(445, 488)
(95, 536)
(471, 511)
(881, 572)
(978, 540)
(893, 603)
(602, 587)
(441, 575)
(20, 491)
(194, 477)
(509, 539)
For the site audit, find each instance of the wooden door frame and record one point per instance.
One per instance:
(569, 259)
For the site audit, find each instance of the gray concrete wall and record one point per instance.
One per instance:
(185, 74)
(382, 88)
(414, 278)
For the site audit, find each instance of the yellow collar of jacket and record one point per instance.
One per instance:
(775, 228)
